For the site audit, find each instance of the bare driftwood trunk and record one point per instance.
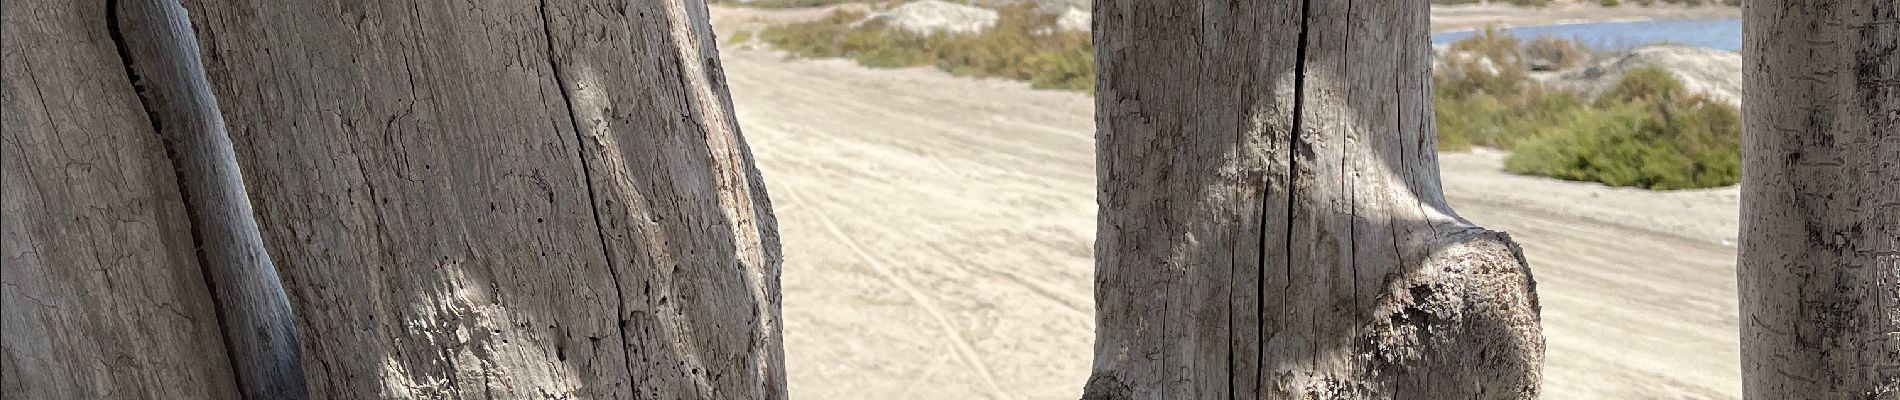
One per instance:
(103, 295)
(1820, 243)
(502, 199)
(1271, 220)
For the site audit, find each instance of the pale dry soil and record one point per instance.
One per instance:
(938, 234)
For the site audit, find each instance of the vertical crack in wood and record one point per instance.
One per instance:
(1293, 137)
(171, 155)
(593, 202)
(1349, 182)
(1291, 151)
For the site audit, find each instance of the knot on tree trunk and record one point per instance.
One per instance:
(1463, 324)
(1106, 387)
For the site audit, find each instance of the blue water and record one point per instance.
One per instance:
(1725, 34)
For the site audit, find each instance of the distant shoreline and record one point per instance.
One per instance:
(1463, 29)
(1616, 35)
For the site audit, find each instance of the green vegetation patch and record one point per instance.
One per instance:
(1501, 120)
(1024, 45)
(1647, 132)
(1486, 98)
(1552, 54)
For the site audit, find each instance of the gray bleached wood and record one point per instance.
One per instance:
(1271, 220)
(1819, 269)
(100, 288)
(502, 199)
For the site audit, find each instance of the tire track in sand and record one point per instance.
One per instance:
(877, 264)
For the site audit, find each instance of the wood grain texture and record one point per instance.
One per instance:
(1271, 220)
(260, 332)
(1819, 271)
(502, 199)
(102, 293)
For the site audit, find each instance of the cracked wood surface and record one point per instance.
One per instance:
(635, 256)
(1271, 220)
(499, 199)
(1819, 270)
(103, 296)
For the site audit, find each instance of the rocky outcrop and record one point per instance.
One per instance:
(1074, 19)
(935, 16)
(1057, 6)
(1710, 72)
(1045, 6)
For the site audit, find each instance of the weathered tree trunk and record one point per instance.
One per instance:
(472, 200)
(502, 199)
(103, 295)
(1820, 243)
(1271, 220)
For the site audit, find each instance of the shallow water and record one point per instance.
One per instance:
(1725, 34)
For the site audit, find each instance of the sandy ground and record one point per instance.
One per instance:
(938, 234)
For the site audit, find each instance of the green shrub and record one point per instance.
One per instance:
(1024, 45)
(1645, 132)
(821, 38)
(1555, 54)
(1649, 85)
(1493, 43)
(740, 37)
(1481, 85)
(1490, 63)
(1500, 121)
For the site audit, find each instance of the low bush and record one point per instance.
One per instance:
(1646, 132)
(1491, 43)
(1488, 63)
(1501, 121)
(1482, 90)
(1547, 53)
(1024, 45)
